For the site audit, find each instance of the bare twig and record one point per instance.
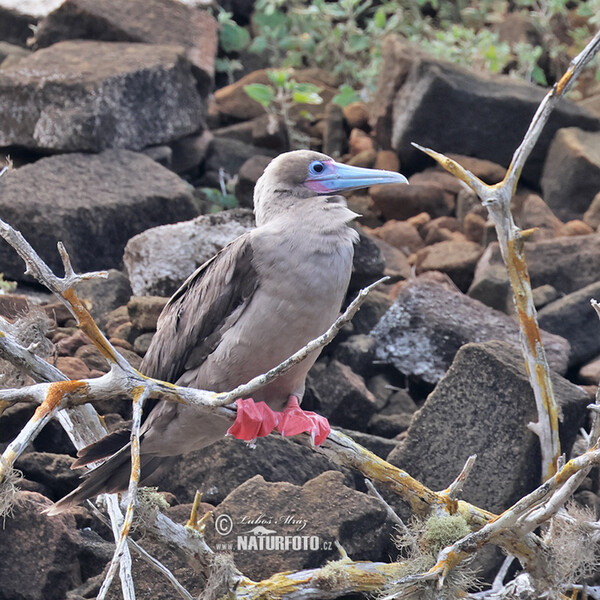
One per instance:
(455, 488)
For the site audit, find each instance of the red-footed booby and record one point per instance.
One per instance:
(258, 301)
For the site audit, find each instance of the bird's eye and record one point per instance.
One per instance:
(316, 167)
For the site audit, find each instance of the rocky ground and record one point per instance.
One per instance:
(109, 117)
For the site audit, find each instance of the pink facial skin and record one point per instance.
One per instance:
(317, 185)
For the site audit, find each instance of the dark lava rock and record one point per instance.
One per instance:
(43, 552)
(52, 470)
(341, 395)
(573, 318)
(156, 266)
(368, 264)
(429, 322)
(571, 175)
(98, 202)
(449, 109)
(219, 469)
(146, 21)
(400, 201)
(89, 96)
(321, 511)
(483, 406)
(358, 352)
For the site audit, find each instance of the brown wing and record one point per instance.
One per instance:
(205, 306)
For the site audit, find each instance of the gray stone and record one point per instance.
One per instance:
(445, 107)
(571, 175)
(483, 406)
(429, 322)
(52, 470)
(592, 214)
(157, 266)
(88, 96)
(376, 444)
(491, 284)
(190, 152)
(566, 263)
(543, 295)
(400, 201)
(144, 21)
(368, 264)
(11, 53)
(94, 203)
(573, 318)
(389, 426)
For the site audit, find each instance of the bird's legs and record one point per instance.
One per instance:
(256, 419)
(293, 420)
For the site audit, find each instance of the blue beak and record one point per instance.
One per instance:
(337, 177)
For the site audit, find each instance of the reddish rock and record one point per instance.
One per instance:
(69, 345)
(359, 141)
(419, 220)
(401, 235)
(399, 201)
(436, 234)
(93, 358)
(592, 214)
(457, 259)
(396, 261)
(575, 227)
(43, 552)
(530, 211)
(365, 159)
(474, 227)
(116, 318)
(145, 310)
(321, 511)
(356, 115)
(387, 160)
(72, 367)
(589, 374)
(233, 103)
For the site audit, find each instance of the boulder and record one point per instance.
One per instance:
(217, 470)
(368, 263)
(320, 512)
(571, 176)
(93, 203)
(156, 266)
(449, 109)
(51, 470)
(400, 201)
(145, 310)
(89, 96)
(429, 322)
(454, 257)
(17, 18)
(401, 235)
(43, 552)
(145, 21)
(573, 318)
(339, 394)
(483, 406)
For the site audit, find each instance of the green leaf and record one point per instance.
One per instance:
(278, 76)
(233, 38)
(379, 18)
(306, 97)
(538, 75)
(346, 96)
(258, 45)
(263, 94)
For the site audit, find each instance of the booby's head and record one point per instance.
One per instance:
(303, 174)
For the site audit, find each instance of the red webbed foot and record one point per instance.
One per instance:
(253, 420)
(293, 420)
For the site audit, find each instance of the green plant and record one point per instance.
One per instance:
(232, 39)
(279, 98)
(6, 287)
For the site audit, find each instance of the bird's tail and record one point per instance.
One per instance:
(111, 476)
